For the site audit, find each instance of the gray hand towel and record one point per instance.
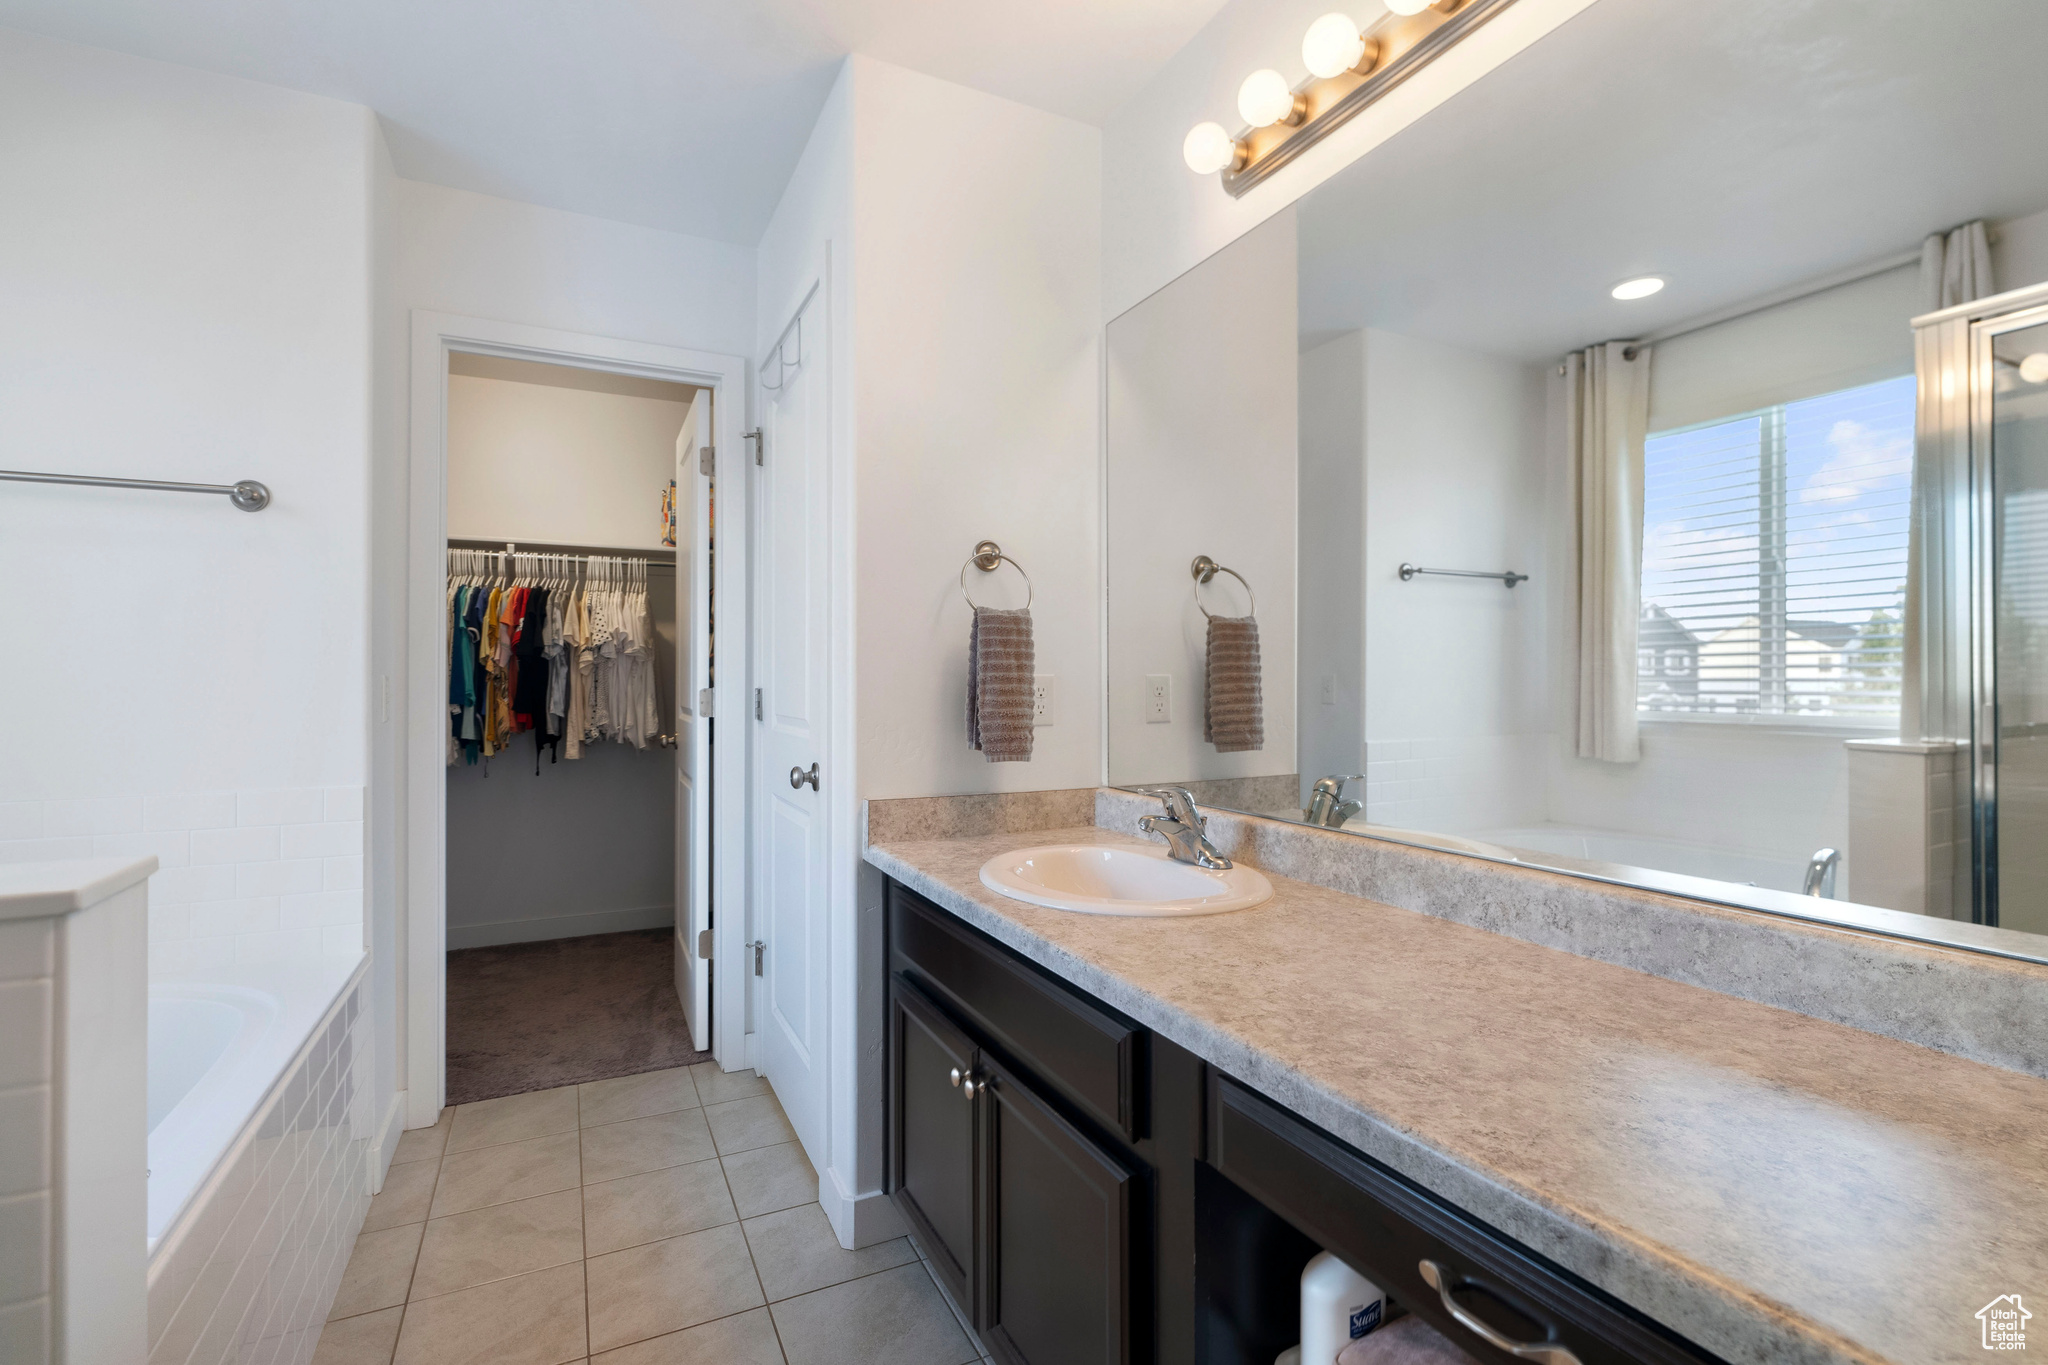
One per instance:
(1233, 712)
(999, 681)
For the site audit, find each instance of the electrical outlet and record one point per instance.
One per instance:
(1042, 696)
(1329, 689)
(1158, 698)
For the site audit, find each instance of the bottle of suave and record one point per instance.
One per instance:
(1338, 1305)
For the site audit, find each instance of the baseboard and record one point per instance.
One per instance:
(499, 932)
(388, 1134)
(859, 1220)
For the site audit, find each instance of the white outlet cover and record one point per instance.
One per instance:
(1158, 698)
(1044, 699)
(1329, 689)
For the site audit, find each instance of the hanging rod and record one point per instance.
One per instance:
(1510, 578)
(562, 549)
(246, 494)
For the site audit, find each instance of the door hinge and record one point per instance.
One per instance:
(704, 945)
(755, 437)
(759, 947)
(704, 701)
(757, 703)
(707, 457)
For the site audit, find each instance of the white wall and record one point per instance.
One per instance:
(2019, 251)
(1203, 398)
(1160, 219)
(187, 299)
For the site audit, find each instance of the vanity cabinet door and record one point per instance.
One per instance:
(935, 1125)
(1059, 1282)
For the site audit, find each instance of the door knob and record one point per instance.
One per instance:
(797, 777)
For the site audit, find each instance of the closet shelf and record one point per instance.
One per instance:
(654, 555)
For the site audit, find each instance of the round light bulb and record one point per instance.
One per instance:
(1264, 98)
(1332, 46)
(2034, 369)
(1638, 289)
(1408, 6)
(1209, 149)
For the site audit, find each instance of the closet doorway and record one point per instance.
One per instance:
(565, 922)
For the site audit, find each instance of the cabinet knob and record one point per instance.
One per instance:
(969, 1086)
(955, 1076)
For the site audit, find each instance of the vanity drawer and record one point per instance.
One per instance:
(1388, 1228)
(1090, 1054)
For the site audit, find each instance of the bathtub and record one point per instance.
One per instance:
(218, 1045)
(1571, 845)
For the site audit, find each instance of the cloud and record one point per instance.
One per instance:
(1864, 459)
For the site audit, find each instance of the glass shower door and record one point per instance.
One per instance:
(2019, 616)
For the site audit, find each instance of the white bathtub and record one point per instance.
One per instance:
(1615, 849)
(217, 1046)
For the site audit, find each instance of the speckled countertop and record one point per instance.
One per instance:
(1772, 1186)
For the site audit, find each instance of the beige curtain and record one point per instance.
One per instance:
(1955, 267)
(1607, 412)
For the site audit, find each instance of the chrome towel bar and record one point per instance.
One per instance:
(1510, 578)
(247, 494)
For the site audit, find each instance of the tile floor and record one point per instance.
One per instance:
(668, 1218)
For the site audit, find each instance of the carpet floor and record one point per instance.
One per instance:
(532, 1016)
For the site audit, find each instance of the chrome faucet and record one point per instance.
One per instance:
(1182, 827)
(1820, 874)
(1326, 803)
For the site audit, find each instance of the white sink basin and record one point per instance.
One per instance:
(1098, 879)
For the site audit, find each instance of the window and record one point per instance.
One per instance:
(1774, 560)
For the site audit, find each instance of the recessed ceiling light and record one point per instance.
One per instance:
(1639, 289)
(2034, 369)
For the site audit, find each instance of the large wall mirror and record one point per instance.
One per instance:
(1567, 480)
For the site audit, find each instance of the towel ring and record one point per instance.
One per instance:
(1204, 569)
(988, 557)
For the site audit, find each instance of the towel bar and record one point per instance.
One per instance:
(1510, 578)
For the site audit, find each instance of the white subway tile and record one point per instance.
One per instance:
(188, 810)
(21, 819)
(281, 806)
(24, 1139)
(28, 948)
(328, 840)
(186, 885)
(234, 845)
(25, 1330)
(321, 908)
(94, 815)
(344, 803)
(169, 922)
(44, 850)
(284, 878)
(170, 848)
(342, 874)
(342, 940)
(277, 946)
(25, 1023)
(180, 957)
(244, 915)
(24, 1246)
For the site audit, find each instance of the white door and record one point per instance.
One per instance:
(692, 723)
(790, 642)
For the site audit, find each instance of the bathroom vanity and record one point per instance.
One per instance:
(1120, 1139)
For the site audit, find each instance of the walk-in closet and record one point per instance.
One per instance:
(562, 776)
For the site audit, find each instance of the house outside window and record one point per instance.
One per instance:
(1774, 561)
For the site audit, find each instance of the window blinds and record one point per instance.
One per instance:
(1774, 560)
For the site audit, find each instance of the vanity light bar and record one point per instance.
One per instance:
(1388, 53)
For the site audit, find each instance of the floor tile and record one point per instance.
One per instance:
(613, 1150)
(532, 1319)
(743, 1339)
(499, 1242)
(666, 1286)
(407, 1194)
(715, 1086)
(738, 1125)
(508, 1171)
(895, 1316)
(366, 1339)
(635, 1097)
(379, 1271)
(765, 1179)
(659, 1204)
(796, 1251)
(418, 1144)
(512, 1118)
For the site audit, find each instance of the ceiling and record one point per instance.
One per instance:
(1736, 148)
(686, 115)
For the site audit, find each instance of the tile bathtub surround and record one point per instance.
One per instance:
(248, 1273)
(28, 959)
(1975, 1005)
(1771, 1186)
(245, 876)
(668, 1218)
